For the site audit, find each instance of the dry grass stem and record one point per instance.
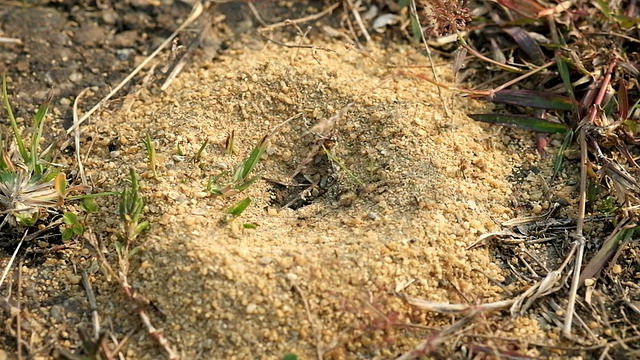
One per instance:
(93, 306)
(76, 138)
(305, 19)
(414, 12)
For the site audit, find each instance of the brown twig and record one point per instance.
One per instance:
(356, 15)
(19, 316)
(93, 308)
(322, 13)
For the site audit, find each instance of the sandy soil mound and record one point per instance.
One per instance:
(407, 190)
(429, 190)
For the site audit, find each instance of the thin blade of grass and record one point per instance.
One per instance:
(238, 208)
(557, 164)
(527, 44)
(534, 99)
(248, 165)
(521, 122)
(563, 69)
(12, 121)
(609, 247)
(38, 127)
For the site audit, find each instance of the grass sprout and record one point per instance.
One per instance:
(228, 143)
(151, 154)
(131, 209)
(198, 155)
(241, 179)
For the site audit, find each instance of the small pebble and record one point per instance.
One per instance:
(616, 269)
(251, 308)
(373, 215)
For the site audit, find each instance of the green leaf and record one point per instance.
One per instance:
(89, 205)
(534, 99)
(142, 227)
(245, 185)
(521, 122)
(238, 208)
(416, 29)
(134, 251)
(27, 218)
(290, 357)
(249, 226)
(77, 229)
(67, 234)
(70, 218)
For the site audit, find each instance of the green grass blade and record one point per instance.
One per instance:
(151, 154)
(12, 121)
(198, 155)
(248, 165)
(38, 129)
(521, 122)
(238, 208)
(534, 99)
(557, 164)
(246, 184)
(563, 69)
(343, 167)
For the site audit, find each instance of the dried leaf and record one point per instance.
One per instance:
(526, 8)
(527, 44)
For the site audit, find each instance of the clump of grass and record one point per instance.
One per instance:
(131, 210)
(30, 183)
(241, 179)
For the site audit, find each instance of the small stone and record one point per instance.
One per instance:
(373, 215)
(266, 260)
(616, 269)
(537, 209)
(74, 279)
(65, 101)
(76, 77)
(251, 308)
